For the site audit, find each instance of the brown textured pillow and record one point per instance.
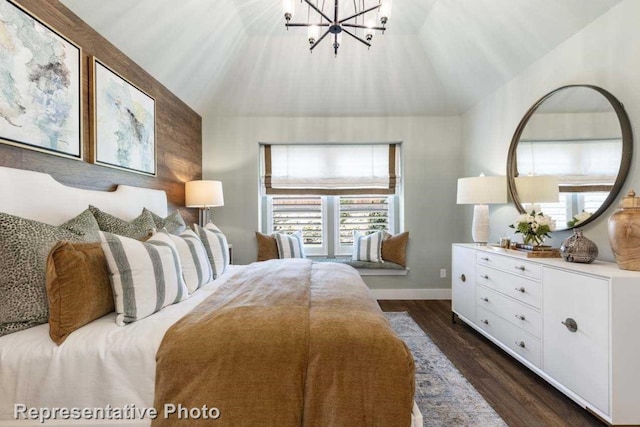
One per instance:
(267, 247)
(78, 287)
(394, 249)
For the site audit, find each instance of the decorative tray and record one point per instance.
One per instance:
(537, 251)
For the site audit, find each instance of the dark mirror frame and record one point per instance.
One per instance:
(625, 163)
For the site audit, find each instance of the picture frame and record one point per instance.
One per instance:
(123, 122)
(41, 83)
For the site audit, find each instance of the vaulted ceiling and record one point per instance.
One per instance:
(235, 57)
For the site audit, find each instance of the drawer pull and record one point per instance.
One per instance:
(520, 344)
(463, 277)
(485, 321)
(521, 268)
(521, 289)
(570, 324)
(520, 317)
(485, 276)
(484, 259)
(485, 299)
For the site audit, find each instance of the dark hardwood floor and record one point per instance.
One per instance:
(518, 395)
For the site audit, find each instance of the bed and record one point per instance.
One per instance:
(104, 364)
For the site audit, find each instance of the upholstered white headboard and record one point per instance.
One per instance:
(39, 197)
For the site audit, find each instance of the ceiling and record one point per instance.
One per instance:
(235, 57)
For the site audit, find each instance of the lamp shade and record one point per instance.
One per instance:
(537, 189)
(480, 190)
(203, 194)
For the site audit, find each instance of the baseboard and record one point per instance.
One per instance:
(411, 293)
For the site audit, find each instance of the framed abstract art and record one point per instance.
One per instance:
(124, 134)
(40, 85)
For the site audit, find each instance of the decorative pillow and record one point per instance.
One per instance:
(394, 248)
(78, 287)
(290, 245)
(367, 247)
(85, 223)
(174, 224)
(145, 276)
(196, 268)
(24, 247)
(215, 242)
(267, 247)
(138, 228)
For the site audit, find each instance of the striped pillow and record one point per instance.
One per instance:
(196, 268)
(367, 247)
(290, 245)
(145, 276)
(215, 243)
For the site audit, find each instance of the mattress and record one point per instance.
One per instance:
(100, 364)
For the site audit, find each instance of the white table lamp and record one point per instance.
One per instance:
(203, 194)
(481, 191)
(534, 189)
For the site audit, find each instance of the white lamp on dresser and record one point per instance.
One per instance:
(575, 325)
(481, 191)
(535, 189)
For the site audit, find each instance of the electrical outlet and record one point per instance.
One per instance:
(443, 273)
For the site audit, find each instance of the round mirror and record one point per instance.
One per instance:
(570, 155)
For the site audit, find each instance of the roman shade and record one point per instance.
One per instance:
(329, 169)
(580, 165)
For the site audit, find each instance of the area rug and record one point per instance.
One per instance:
(443, 395)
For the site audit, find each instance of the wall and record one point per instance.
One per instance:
(431, 154)
(178, 127)
(605, 54)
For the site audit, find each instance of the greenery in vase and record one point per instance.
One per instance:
(534, 227)
(579, 219)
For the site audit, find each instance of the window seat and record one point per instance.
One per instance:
(369, 268)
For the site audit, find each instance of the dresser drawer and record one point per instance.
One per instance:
(521, 315)
(510, 335)
(511, 265)
(525, 290)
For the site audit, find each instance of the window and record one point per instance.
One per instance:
(289, 214)
(330, 190)
(328, 222)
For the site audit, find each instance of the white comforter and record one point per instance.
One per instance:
(100, 364)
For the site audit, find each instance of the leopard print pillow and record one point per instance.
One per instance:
(174, 224)
(24, 247)
(85, 223)
(139, 228)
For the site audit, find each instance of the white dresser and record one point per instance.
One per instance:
(576, 325)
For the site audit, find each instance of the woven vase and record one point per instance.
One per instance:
(624, 233)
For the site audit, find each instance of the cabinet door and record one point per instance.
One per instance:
(462, 281)
(579, 359)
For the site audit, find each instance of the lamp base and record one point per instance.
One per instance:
(203, 217)
(480, 225)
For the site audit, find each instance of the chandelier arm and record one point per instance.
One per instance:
(359, 13)
(319, 40)
(357, 38)
(314, 7)
(300, 24)
(363, 26)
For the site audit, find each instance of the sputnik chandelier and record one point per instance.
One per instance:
(361, 18)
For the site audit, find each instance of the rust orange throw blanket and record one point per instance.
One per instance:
(287, 343)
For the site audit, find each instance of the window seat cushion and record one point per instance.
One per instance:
(362, 264)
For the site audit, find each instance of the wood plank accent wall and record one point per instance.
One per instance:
(178, 127)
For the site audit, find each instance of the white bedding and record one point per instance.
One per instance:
(100, 364)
